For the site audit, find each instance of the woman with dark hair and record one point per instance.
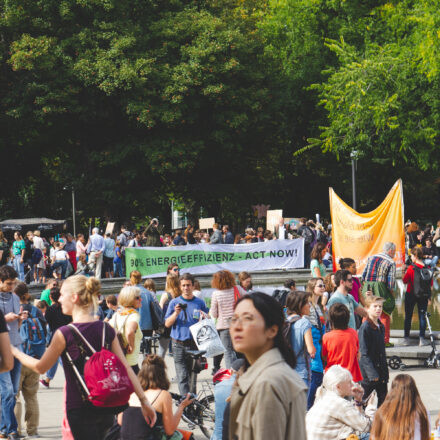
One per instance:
(411, 300)
(317, 267)
(301, 340)
(268, 399)
(402, 416)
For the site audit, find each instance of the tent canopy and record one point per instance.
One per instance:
(41, 223)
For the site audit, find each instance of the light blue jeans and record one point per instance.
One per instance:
(431, 262)
(9, 383)
(19, 267)
(50, 374)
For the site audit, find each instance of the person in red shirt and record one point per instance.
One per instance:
(341, 345)
(411, 300)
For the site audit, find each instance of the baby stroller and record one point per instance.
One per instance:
(432, 361)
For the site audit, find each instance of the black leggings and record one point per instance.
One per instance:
(87, 424)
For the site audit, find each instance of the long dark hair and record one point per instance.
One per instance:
(272, 313)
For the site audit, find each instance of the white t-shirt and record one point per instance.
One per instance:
(61, 255)
(38, 243)
(281, 233)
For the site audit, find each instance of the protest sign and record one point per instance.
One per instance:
(358, 235)
(206, 223)
(206, 258)
(272, 218)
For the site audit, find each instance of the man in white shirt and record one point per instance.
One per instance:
(40, 265)
(280, 230)
(96, 247)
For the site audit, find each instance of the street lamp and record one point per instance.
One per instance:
(353, 156)
(73, 208)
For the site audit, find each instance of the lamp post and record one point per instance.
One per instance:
(66, 188)
(353, 156)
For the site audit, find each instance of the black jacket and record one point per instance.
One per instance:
(373, 360)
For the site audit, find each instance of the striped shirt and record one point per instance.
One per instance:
(380, 268)
(222, 306)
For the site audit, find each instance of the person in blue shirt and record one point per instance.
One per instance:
(180, 319)
(301, 340)
(145, 323)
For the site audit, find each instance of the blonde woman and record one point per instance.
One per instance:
(79, 299)
(126, 321)
(172, 290)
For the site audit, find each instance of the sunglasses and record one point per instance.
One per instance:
(320, 285)
(176, 269)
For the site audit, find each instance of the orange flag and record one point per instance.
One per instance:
(358, 235)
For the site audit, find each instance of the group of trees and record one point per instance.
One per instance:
(216, 105)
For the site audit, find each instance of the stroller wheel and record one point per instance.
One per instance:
(402, 367)
(394, 362)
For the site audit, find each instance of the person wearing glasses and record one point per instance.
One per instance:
(344, 283)
(126, 321)
(268, 399)
(173, 269)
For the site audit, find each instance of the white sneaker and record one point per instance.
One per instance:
(406, 342)
(423, 342)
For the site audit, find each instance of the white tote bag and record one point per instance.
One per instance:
(207, 338)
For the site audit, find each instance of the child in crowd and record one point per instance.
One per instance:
(341, 345)
(373, 360)
(42, 305)
(112, 306)
(150, 285)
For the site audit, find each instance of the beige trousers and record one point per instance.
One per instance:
(29, 384)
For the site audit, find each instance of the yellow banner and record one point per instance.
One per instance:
(358, 235)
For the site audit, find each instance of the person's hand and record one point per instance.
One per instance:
(11, 316)
(188, 400)
(129, 349)
(357, 392)
(177, 309)
(313, 353)
(376, 379)
(148, 412)
(369, 293)
(437, 420)
(21, 260)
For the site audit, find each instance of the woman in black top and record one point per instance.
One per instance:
(154, 380)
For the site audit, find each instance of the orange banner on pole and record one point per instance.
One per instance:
(358, 235)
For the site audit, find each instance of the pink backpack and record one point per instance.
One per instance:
(105, 381)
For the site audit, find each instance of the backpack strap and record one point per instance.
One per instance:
(77, 332)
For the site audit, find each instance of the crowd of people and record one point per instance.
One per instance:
(37, 258)
(302, 363)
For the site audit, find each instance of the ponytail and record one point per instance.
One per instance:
(87, 289)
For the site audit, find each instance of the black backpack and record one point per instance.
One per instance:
(287, 329)
(281, 296)
(422, 282)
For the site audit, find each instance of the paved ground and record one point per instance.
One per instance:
(51, 399)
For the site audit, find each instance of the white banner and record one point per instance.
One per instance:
(210, 258)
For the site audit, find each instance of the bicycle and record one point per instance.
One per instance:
(201, 411)
(149, 344)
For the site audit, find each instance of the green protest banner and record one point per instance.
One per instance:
(205, 258)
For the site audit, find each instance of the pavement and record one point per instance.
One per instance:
(51, 400)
